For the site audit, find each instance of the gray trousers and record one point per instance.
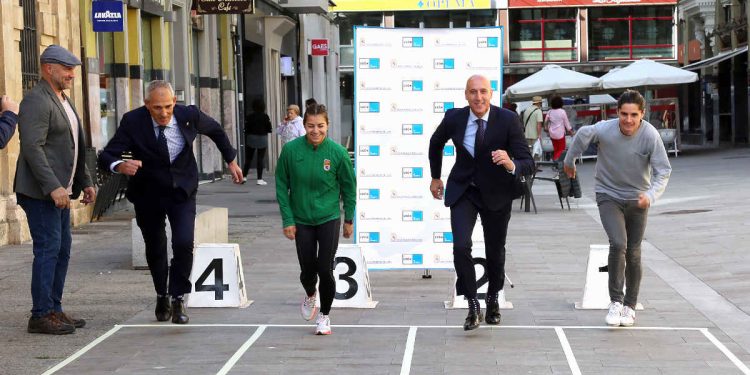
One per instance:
(625, 224)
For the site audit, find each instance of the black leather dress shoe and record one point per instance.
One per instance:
(472, 320)
(163, 310)
(178, 312)
(492, 315)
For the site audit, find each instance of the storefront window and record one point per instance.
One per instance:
(630, 33)
(540, 35)
(107, 95)
(347, 21)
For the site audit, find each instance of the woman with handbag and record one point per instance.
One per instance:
(557, 125)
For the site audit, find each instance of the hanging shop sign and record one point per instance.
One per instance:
(223, 6)
(319, 47)
(107, 16)
(584, 3)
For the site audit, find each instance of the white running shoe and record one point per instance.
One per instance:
(308, 308)
(628, 317)
(614, 316)
(323, 325)
(261, 182)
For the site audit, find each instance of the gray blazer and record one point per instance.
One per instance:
(47, 150)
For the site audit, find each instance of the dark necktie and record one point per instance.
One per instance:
(479, 139)
(162, 144)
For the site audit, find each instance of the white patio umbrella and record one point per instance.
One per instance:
(552, 79)
(646, 73)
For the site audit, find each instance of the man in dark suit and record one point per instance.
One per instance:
(491, 154)
(163, 183)
(51, 171)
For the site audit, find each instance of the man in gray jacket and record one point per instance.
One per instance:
(632, 171)
(51, 171)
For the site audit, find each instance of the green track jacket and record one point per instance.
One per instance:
(310, 182)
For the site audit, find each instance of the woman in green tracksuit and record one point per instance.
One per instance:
(313, 175)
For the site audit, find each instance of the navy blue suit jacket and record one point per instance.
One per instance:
(496, 185)
(156, 177)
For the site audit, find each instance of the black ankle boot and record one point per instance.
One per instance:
(179, 315)
(475, 315)
(163, 311)
(492, 314)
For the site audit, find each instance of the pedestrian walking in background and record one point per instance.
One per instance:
(163, 184)
(314, 174)
(491, 154)
(8, 119)
(557, 125)
(632, 171)
(291, 126)
(51, 171)
(257, 127)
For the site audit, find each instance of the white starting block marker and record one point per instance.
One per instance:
(596, 289)
(217, 277)
(352, 280)
(480, 268)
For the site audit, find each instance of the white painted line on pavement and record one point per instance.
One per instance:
(409, 351)
(726, 351)
(219, 325)
(572, 363)
(238, 354)
(82, 351)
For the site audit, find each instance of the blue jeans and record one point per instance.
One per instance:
(51, 237)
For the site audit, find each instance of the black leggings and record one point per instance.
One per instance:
(249, 151)
(316, 249)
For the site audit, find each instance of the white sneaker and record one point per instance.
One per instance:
(614, 316)
(628, 317)
(324, 325)
(261, 182)
(308, 308)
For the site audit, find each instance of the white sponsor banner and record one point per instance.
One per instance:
(405, 81)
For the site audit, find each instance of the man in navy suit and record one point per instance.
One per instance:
(491, 154)
(158, 138)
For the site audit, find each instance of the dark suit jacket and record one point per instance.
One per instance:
(156, 177)
(47, 149)
(496, 185)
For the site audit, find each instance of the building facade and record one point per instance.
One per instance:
(714, 44)
(161, 40)
(589, 36)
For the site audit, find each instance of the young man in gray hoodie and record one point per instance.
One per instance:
(632, 171)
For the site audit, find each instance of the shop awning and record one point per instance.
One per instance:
(715, 59)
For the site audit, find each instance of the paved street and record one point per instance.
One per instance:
(695, 291)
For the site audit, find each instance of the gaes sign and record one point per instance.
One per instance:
(319, 47)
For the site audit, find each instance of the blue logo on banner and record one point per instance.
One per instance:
(440, 107)
(369, 237)
(369, 194)
(493, 85)
(412, 129)
(369, 63)
(442, 237)
(369, 107)
(107, 16)
(410, 215)
(369, 150)
(488, 42)
(444, 64)
(412, 259)
(449, 150)
(411, 172)
(412, 42)
(413, 85)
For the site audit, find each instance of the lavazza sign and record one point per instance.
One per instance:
(107, 15)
